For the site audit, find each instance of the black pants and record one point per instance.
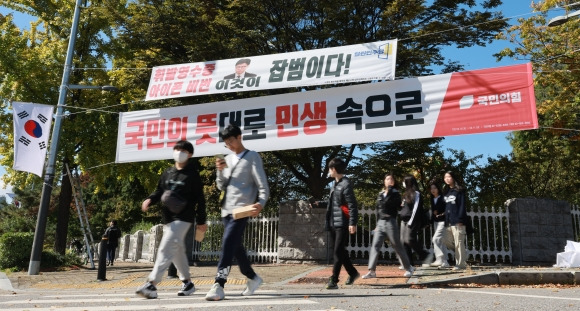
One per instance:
(339, 238)
(409, 239)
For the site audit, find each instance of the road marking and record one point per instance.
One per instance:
(503, 294)
(126, 301)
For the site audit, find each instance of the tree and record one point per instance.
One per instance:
(546, 160)
(134, 36)
(154, 33)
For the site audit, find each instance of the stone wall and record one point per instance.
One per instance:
(301, 234)
(539, 229)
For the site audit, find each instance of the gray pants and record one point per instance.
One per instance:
(438, 242)
(388, 229)
(172, 250)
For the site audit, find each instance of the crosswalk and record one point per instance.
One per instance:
(124, 301)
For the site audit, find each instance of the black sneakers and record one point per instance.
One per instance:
(147, 290)
(186, 289)
(352, 278)
(331, 284)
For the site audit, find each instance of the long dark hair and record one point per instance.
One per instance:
(395, 186)
(456, 180)
(437, 185)
(410, 187)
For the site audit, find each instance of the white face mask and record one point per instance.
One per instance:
(180, 156)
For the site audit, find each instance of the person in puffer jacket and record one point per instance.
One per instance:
(341, 220)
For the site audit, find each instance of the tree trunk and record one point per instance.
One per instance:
(64, 202)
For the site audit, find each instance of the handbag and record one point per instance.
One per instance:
(173, 201)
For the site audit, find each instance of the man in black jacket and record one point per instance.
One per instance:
(112, 234)
(184, 182)
(341, 219)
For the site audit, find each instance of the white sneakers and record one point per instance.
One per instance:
(409, 273)
(370, 275)
(252, 285)
(215, 293)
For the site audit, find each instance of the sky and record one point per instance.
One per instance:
(488, 144)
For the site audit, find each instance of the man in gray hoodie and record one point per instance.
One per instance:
(242, 179)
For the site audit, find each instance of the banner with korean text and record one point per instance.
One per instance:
(345, 64)
(31, 130)
(479, 101)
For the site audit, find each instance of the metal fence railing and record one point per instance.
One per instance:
(490, 242)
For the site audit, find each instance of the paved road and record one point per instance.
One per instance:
(300, 287)
(305, 298)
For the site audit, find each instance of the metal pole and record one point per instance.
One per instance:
(34, 265)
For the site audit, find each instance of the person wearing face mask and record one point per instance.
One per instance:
(183, 179)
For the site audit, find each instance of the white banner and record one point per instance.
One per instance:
(346, 64)
(434, 106)
(31, 131)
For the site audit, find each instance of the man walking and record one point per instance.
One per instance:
(242, 179)
(180, 191)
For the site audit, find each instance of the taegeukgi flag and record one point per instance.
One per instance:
(31, 130)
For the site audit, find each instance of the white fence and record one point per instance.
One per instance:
(490, 243)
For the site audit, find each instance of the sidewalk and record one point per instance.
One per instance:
(124, 275)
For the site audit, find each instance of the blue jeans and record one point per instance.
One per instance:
(232, 247)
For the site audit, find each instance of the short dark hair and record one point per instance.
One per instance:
(338, 164)
(184, 145)
(246, 61)
(231, 130)
(114, 222)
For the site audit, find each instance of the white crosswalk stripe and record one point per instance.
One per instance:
(74, 301)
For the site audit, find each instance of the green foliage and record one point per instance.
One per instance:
(15, 250)
(17, 219)
(545, 162)
(137, 35)
(142, 225)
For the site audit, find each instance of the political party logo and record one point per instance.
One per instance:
(488, 100)
(382, 51)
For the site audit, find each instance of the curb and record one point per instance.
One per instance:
(5, 282)
(513, 278)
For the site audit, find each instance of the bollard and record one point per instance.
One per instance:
(172, 272)
(102, 273)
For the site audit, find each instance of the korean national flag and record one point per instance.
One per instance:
(32, 124)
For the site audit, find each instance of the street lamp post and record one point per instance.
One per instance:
(559, 20)
(34, 265)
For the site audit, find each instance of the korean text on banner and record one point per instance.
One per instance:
(480, 101)
(346, 64)
(31, 131)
